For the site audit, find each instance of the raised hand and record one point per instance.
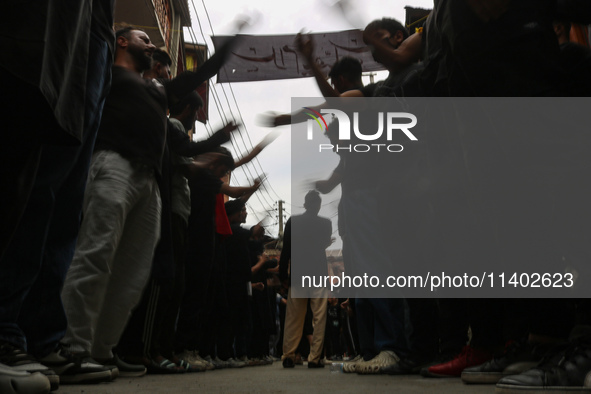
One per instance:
(305, 46)
(229, 128)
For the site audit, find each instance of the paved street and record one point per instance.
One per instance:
(275, 379)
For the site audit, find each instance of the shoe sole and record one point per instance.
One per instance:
(54, 382)
(511, 389)
(195, 370)
(91, 377)
(396, 371)
(33, 383)
(201, 366)
(192, 368)
(114, 371)
(349, 368)
(134, 374)
(366, 371)
(401, 371)
(493, 377)
(370, 370)
(374, 369)
(428, 374)
(49, 373)
(482, 377)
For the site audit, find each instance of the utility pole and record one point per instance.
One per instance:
(280, 203)
(370, 75)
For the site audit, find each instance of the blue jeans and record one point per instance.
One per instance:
(33, 269)
(381, 323)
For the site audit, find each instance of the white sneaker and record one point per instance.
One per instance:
(233, 363)
(354, 360)
(209, 360)
(351, 366)
(208, 364)
(257, 361)
(247, 361)
(219, 363)
(192, 357)
(386, 358)
(13, 381)
(17, 359)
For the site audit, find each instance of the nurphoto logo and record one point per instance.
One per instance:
(390, 122)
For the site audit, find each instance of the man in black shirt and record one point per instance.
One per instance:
(238, 276)
(315, 233)
(122, 207)
(149, 334)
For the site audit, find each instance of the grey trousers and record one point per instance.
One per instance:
(113, 257)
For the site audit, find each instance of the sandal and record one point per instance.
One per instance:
(161, 365)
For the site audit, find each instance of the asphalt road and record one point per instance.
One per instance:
(275, 379)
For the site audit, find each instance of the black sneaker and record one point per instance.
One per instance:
(408, 366)
(288, 363)
(519, 356)
(76, 368)
(566, 370)
(319, 364)
(19, 360)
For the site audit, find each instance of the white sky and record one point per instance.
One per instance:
(252, 98)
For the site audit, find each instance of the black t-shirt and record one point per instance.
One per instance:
(514, 55)
(396, 85)
(201, 226)
(180, 143)
(255, 249)
(238, 267)
(134, 118)
(312, 235)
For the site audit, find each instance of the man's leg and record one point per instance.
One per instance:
(179, 235)
(390, 327)
(110, 195)
(55, 255)
(20, 150)
(365, 318)
(294, 324)
(62, 231)
(199, 276)
(319, 307)
(130, 269)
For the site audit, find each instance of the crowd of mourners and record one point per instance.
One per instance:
(123, 251)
